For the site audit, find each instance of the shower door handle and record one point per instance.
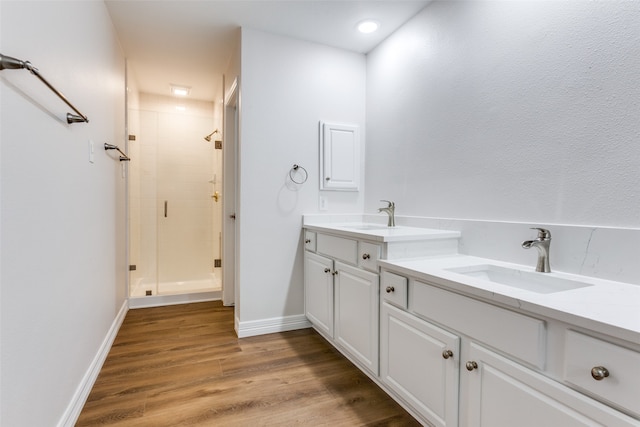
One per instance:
(166, 203)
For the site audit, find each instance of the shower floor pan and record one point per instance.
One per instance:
(142, 289)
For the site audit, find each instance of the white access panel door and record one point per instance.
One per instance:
(339, 157)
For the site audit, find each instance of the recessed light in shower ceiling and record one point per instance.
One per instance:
(180, 90)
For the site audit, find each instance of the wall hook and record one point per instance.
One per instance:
(123, 157)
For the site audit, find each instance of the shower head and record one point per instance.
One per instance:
(208, 137)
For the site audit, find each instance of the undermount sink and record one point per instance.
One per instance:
(541, 283)
(367, 227)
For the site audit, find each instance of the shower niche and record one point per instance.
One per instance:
(174, 219)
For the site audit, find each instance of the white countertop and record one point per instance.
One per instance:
(380, 232)
(612, 308)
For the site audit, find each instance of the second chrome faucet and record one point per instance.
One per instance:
(541, 243)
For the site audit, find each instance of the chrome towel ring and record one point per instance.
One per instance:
(296, 169)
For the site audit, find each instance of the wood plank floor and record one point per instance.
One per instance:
(182, 365)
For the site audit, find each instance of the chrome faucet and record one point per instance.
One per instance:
(542, 245)
(390, 210)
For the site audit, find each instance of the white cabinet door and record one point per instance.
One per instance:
(339, 157)
(318, 292)
(504, 393)
(356, 318)
(420, 362)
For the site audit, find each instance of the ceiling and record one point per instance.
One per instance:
(190, 42)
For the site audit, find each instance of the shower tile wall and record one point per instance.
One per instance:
(174, 163)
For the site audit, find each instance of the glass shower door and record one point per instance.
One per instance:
(185, 206)
(143, 217)
(170, 204)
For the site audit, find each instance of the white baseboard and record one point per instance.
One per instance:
(72, 412)
(269, 326)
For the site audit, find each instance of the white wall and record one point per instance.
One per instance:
(232, 69)
(512, 111)
(287, 86)
(63, 219)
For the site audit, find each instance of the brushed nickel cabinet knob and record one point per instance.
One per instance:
(447, 354)
(390, 289)
(471, 366)
(599, 373)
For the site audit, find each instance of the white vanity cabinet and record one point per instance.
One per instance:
(455, 360)
(341, 280)
(341, 301)
(342, 296)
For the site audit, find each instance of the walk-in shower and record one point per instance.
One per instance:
(174, 220)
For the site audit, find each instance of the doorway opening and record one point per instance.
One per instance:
(175, 199)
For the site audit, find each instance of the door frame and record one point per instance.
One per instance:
(231, 192)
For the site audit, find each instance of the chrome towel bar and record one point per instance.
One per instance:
(9, 63)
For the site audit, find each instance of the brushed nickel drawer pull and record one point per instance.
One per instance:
(599, 373)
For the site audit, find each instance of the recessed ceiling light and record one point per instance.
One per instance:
(368, 26)
(180, 90)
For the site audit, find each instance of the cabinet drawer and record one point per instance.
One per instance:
(520, 336)
(338, 248)
(502, 392)
(310, 240)
(368, 255)
(394, 289)
(622, 385)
